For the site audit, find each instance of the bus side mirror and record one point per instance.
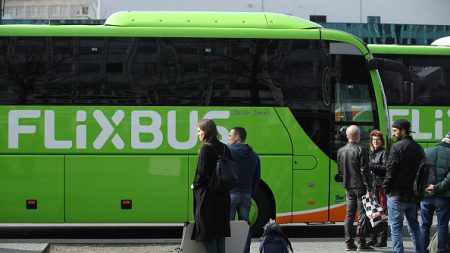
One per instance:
(394, 66)
(386, 64)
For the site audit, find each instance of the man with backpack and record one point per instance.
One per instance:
(403, 162)
(248, 171)
(437, 198)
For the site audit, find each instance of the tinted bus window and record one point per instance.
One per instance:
(431, 75)
(298, 74)
(432, 80)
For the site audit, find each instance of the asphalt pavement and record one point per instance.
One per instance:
(154, 239)
(307, 245)
(304, 245)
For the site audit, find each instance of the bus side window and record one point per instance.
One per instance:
(393, 86)
(431, 80)
(429, 85)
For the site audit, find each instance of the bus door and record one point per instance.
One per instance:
(352, 103)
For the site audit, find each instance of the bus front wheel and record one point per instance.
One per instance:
(261, 211)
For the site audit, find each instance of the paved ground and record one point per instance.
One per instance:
(307, 245)
(156, 239)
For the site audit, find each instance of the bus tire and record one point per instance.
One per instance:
(264, 213)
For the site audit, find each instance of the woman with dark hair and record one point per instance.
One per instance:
(377, 164)
(211, 209)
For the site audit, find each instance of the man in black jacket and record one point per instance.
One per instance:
(401, 168)
(352, 161)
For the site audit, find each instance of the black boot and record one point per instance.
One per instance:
(380, 244)
(383, 235)
(373, 240)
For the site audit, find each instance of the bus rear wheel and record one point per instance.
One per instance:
(260, 212)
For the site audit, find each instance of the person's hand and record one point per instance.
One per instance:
(431, 189)
(368, 194)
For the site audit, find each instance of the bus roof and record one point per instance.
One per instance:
(192, 24)
(208, 19)
(408, 49)
(179, 24)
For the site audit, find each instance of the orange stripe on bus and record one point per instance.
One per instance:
(336, 214)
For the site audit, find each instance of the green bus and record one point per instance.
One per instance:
(99, 121)
(425, 101)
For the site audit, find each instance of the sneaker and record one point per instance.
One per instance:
(350, 247)
(372, 242)
(364, 247)
(380, 244)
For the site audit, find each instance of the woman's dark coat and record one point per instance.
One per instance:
(377, 165)
(211, 209)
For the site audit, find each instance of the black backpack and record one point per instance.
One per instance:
(224, 175)
(426, 174)
(274, 240)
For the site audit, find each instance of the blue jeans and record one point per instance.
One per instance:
(397, 211)
(241, 202)
(441, 206)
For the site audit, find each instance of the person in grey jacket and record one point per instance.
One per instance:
(438, 195)
(249, 173)
(377, 165)
(352, 161)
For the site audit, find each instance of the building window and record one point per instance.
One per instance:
(18, 12)
(373, 19)
(76, 10)
(8, 11)
(84, 10)
(41, 11)
(63, 11)
(31, 11)
(318, 18)
(53, 11)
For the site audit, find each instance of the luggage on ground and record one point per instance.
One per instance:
(274, 240)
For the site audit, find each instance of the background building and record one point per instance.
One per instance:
(432, 12)
(49, 9)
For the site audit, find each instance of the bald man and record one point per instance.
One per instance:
(353, 164)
